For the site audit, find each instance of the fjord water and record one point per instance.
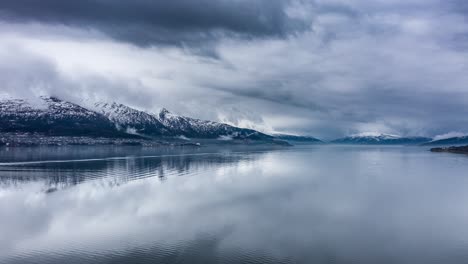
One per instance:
(316, 204)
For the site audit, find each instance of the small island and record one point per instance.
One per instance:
(458, 150)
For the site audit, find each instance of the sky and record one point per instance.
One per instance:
(326, 68)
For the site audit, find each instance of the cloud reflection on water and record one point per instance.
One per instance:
(326, 205)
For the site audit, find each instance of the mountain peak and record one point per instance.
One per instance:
(163, 113)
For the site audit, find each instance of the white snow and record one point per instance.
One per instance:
(123, 115)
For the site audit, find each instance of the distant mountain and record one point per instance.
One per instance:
(55, 117)
(450, 141)
(380, 139)
(298, 139)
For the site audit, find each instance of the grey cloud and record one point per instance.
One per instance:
(143, 22)
(272, 92)
(28, 75)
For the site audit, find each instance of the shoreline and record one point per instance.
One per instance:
(14, 140)
(452, 149)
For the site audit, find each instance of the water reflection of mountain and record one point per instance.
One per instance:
(116, 171)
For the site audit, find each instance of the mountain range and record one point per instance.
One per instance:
(380, 139)
(54, 117)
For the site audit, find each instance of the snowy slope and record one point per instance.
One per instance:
(52, 116)
(196, 128)
(131, 120)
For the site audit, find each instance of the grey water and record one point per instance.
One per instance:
(310, 204)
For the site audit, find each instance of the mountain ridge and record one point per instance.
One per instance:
(53, 117)
(380, 139)
(56, 117)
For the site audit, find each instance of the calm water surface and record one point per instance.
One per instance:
(319, 204)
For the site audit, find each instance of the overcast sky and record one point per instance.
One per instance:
(325, 68)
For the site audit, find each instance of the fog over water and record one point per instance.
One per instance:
(323, 204)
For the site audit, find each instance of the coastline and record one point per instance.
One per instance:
(12, 140)
(452, 149)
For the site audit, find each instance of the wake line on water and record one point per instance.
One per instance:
(6, 164)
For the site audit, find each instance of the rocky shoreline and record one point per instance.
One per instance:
(458, 150)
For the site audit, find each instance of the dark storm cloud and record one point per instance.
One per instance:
(144, 22)
(274, 95)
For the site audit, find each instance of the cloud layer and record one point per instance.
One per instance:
(142, 22)
(326, 68)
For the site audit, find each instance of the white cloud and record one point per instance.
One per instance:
(449, 135)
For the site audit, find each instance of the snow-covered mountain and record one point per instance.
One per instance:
(52, 116)
(380, 139)
(130, 120)
(191, 127)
